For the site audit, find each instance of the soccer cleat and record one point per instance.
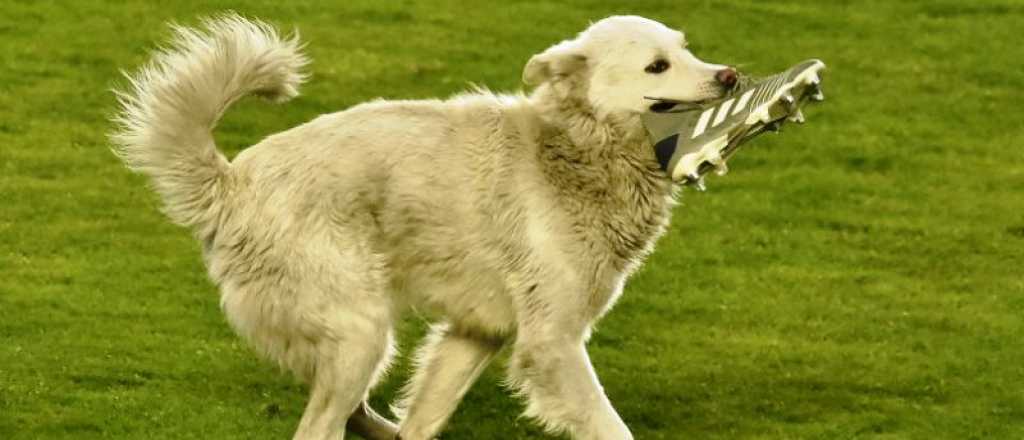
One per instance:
(691, 140)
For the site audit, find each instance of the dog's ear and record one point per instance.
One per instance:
(559, 61)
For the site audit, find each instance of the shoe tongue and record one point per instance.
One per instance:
(662, 125)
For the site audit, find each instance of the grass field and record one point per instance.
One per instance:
(856, 277)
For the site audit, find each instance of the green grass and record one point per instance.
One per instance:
(857, 277)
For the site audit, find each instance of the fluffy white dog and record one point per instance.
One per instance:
(512, 219)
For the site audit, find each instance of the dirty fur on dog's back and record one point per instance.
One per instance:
(472, 188)
(502, 216)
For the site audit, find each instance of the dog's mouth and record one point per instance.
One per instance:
(669, 105)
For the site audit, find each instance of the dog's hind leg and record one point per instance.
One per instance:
(346, 316)
(447, 364)
(338, 340)
(366, 423)
(345, 370)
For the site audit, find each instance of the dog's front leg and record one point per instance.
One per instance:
(551, 367)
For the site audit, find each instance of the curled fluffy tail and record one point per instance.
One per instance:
(172, 105)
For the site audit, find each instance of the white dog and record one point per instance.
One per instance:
(512, 219)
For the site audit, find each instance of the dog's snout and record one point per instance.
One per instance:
(727, 77)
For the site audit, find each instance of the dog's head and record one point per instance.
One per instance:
(619, 63)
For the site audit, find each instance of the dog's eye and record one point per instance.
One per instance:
(657, 66)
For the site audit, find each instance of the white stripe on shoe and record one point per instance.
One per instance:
(702, 123)
(723, 111)
(742, 103)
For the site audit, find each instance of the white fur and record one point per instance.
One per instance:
(513, 220)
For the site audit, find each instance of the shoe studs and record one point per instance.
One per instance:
(718, 162)
(699, 184)
(764, 115)
(814, 85)
(815, 92)
(697, 181)
(797, 116)
(813, 79)
(788, 101)
(721, 168)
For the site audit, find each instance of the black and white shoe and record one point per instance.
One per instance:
(689, 142)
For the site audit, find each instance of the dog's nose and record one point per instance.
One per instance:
(727, 77)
